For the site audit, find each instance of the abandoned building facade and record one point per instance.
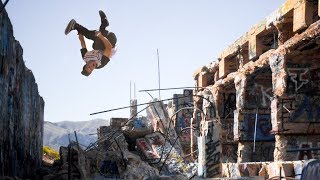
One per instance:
(265, 97)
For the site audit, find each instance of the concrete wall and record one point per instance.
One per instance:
(266, 88)
(21, 109)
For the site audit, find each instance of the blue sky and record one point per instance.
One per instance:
(188, 34)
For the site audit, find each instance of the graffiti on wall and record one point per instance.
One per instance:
(259, 90)
(258, 95)
(183, 117)
(264, 152)
(303, 91)
(303, 79)
(183, 121)
(208, 105)
(212, 153)
(209, 148)
(262, 130)
(303, 147)
(297, 78)
(227, 131)
(229, 152)
(229, 105)
(305, 152)
(301, 108)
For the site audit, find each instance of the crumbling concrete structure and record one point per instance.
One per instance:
(180, 112)
(21, 109)
(265, 91)
(136, 148)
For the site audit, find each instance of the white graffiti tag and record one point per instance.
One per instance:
(298, 76)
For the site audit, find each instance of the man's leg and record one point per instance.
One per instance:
(73, 25)
(89, 34)
(104, 21)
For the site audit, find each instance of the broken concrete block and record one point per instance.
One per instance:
(298, 166)
(137, 128)
(138, 169)
(117, 122)
(263, 171)
(285, 169)
(148, 152)
(225, 170)
(253, 169)
(234, 170)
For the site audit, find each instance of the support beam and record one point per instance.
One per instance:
(255, 47)
(302, 15)
(203, 80)
(222, 68)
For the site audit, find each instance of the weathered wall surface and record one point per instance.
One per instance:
(21, 109)
(266, 85)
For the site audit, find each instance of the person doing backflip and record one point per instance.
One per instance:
(103, 45)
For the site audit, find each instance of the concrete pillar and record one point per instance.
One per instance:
(275, 116)
(240, 82)
(209, 148)
(280, 148)
(223, 71)
(277, 64)
(318, 7)
(133, 108)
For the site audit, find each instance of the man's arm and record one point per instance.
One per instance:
(83, 45)
(82, 42)
(106, 43)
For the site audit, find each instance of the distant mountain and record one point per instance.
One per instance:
(56, 134)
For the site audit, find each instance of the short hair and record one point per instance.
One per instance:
(84, 72)
(112, 38)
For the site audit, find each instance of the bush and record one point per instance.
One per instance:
(50, 153)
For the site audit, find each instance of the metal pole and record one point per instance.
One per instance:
(171, 88)
(134, 92)
(130, 91)
(158, 73)
(255, 132)
(143, 104)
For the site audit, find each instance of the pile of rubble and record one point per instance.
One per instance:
(134, 148)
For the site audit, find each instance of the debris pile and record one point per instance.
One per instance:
(136, 148)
